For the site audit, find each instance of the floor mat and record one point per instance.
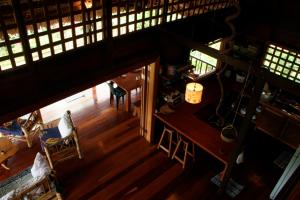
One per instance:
(232, 189)
(15, 181)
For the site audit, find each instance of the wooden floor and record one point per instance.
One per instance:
(120, 164)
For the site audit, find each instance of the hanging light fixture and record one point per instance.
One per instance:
(193, 93)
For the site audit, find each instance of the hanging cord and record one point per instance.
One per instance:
(230, 129)
(221, 95)
(220, 70)
(242, 93)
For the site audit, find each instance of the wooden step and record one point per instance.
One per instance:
(158, 184)
(131, 177)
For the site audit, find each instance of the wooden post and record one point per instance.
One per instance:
(23, 32)
(244, 130)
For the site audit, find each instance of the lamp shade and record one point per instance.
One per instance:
(193, 93)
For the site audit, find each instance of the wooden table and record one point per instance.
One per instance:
(128, 82)
(7, 150)
(186, 123)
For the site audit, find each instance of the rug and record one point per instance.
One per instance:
(283, 159)
(15, 181)
(232, 188)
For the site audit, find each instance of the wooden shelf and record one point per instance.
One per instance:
(279, 124)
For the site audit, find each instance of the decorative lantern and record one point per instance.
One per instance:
(193, 93)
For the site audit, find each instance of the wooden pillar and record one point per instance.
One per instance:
(94, 91)
(149, 89)
(244, 130)
(165, 12)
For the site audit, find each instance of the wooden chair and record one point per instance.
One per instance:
(40, 183)
(116, 92)
(23, 130)
(57, 145)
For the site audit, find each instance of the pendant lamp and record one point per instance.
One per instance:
(193, 93)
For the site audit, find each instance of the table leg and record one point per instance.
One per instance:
(223, 172)
(4, 165)
(128, 103)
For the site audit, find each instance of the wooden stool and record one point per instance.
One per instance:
(137, 108)
(169, 141)
(185, 145)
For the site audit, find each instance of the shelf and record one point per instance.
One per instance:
(279, 124)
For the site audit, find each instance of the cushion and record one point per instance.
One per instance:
(50, 133)
(40, 167)
(13, 129)
(65, 125)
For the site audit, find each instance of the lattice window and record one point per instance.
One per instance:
(11, 48)
(204, 63)
(283, 62)
(54, 27)
(179, 9)
(31, 30)
(130, 16)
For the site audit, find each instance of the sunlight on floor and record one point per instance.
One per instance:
(76, 102)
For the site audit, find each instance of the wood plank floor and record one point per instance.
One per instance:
(120, 164)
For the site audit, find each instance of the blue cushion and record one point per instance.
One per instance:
(50, 133)
(13, 129)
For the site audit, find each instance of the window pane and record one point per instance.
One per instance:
(35, 56)
(46, 52)
(17, 47)
(44, 40)
(67, 33)
(20, 60)
(6, 64)
(3, 51)
(56, 36)
(32, 43)
(58, 49)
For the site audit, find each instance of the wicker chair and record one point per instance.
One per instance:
(23, 130)
(56, 145)
(35, 182)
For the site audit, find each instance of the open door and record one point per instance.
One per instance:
(149, 91)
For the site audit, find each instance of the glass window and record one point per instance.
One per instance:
(283, 62)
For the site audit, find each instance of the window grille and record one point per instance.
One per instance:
(31, 30)
(11, 47)
(130, 16)
(179, 9)
(283, 62)
(54, 27)
(204, 63)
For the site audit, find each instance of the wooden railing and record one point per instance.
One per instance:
(202, 67)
